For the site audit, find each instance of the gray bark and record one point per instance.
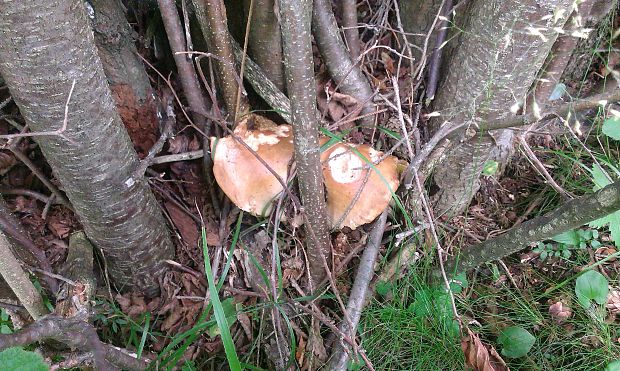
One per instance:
(125, 71)
(349, 24)
(265, 41)
(211, 15)
(264, 87)
(18, 280)
(572, 214)
(297, 44)
(417, 17)
(115, 44)
(44, 49)
(357, 297)
(347, 75)
(587, 15)
(493, 65)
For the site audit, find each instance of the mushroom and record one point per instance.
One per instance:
(245, 179)
(357, 192)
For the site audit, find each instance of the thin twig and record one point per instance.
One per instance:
(357, 298)
(538, 165)
(58, 132)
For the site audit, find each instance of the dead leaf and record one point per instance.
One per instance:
(481, 357)
(185, 224)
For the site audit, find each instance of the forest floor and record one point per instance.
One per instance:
(408, 323)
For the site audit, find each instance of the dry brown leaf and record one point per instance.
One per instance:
(481, 357)
(6, 162)
(178, 144)
(613, 302)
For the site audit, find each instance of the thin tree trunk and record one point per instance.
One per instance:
(125, 71)
(349, 23)
(93, 158)
(297, 43)
(265, 42)
(211, 16)
(495, 62)
(342, 69)
(266, 89)
(571, 215)
(18, 280)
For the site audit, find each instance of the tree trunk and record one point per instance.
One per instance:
(345, 72)
(125, 71)
(45, 48)
(12, 272)
(211, 15)
(297, 43)
(495, 62)
(417, 18)
(265, 42)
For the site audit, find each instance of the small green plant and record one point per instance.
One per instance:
(591, 286)
(6, 326)
(611, 127)
(567, 242)
(613, 366)
(516, 341)
(601, 179)
(490, 168)
(18, 359)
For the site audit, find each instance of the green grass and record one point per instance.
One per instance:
(398, 336)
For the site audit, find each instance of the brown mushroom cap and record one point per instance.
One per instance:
(345, 174)
(242, 177)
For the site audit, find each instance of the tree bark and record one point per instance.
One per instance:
(211, 16)
(297, 44)
(45, 48)
(417, 17)
(349, 24)
(494, 64)
(265, 41)
(125, 71)
(342, 69)
(12, 272)
(572, 214)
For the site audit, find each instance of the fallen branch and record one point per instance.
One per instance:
(570, 215)
(263, 86)
(12, 272)
(75, 333)
(560, 109)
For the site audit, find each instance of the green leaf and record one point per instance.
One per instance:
(599, 177)
(568, 238)
(591, 286)
(613, 222)
(458, 283)
(516, 341)
(4, 329)
(229, 345)
(383, 288)
(17, 359)
(490, 168)
(613, 366)
(231, 316)
(611, 127)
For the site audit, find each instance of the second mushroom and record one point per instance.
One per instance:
(359, 180)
